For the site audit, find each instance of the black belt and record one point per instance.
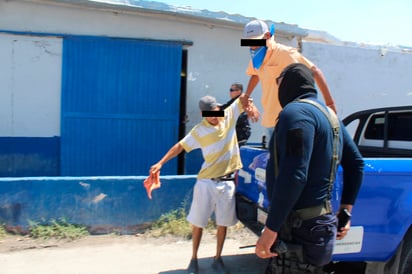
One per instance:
(223, 178)
(314, 211)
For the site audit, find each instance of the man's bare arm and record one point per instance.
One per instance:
(244, 97)
(173, 152)
(323, 86)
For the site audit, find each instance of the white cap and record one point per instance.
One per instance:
(255, 29)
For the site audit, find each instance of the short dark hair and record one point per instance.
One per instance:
(238, 86)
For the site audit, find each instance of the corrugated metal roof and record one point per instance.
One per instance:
(235, 20)
(222, 18)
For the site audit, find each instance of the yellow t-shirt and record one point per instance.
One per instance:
(219, 144)
(277, 58)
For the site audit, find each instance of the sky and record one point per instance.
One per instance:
(362, 21)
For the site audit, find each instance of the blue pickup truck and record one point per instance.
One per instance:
(380, 239)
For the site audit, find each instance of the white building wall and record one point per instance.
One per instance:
(215, 59)
(30, 85)
(359, 78)
(363, 77)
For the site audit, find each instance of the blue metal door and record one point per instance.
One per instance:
(120, 105)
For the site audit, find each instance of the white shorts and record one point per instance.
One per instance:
(211, 196)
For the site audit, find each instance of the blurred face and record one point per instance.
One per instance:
(266, 36)
(214, 121)
(234, 91)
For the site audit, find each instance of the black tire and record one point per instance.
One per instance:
(405, 264)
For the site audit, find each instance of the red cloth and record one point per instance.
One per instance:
(152, 182)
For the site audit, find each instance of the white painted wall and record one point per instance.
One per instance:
(30, 85)
(363, 77)
(215, 60)
(358, 77)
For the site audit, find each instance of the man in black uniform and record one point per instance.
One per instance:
(308, 144)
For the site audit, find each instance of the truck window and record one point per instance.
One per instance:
(399, 131)
(400, 127)
(375, 127)
(352, 126)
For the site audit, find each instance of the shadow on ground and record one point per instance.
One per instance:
(237, 264)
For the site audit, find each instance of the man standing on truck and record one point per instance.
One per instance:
(307, 145)
(267, 62)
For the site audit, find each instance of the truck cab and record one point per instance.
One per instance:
(380, 239)
(382, 132)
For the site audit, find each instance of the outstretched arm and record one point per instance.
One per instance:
(244, 98)
(173, 152)
(253, 81)
(323, 86)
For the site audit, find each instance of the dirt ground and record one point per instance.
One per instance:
(114, 254)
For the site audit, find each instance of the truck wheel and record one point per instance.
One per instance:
(405, 264)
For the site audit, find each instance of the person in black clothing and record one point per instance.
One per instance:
(306, 147)
(243, 130)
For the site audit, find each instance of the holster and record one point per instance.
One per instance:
(292, 221)
(296, 217)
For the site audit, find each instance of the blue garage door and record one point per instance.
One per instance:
(120, 105)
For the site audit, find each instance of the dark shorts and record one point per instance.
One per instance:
(317, 237)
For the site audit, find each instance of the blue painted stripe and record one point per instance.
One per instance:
(103, 204)
(29, 156)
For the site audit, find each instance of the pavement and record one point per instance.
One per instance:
(111, 254)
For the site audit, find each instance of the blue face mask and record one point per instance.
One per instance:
(257, 56)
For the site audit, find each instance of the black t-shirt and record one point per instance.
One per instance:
(242, 124)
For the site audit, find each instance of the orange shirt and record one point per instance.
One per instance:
(277, 57)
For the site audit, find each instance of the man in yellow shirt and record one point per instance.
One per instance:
(266, 64)
(214, 191)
